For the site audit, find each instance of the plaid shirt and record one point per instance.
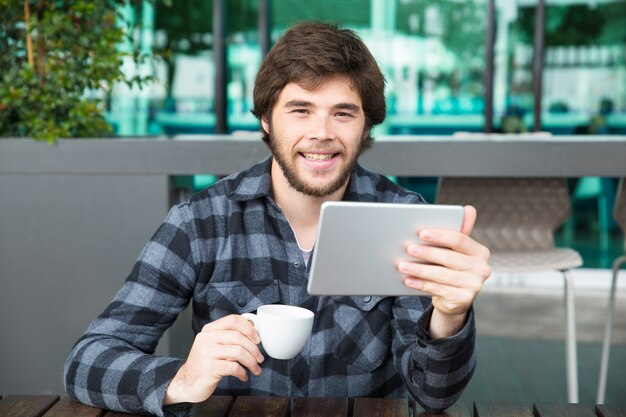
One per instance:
(229, 250)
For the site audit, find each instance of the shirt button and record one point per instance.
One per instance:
(367, 299)
(296, 264)
(241, 302)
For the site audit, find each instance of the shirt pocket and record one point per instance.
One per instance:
(362, 331)
(226, 298)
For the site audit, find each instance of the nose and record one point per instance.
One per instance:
(321, 128)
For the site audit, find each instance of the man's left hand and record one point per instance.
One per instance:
(452, 270)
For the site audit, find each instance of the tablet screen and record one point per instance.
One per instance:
(359, 245)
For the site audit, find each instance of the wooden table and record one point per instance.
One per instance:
(226, 406)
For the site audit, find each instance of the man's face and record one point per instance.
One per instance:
(317, 136)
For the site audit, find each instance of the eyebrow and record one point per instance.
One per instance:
(298, 103)
(303, 103)
(348, 106)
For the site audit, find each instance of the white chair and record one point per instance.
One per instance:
(517, 218)
(619, 213)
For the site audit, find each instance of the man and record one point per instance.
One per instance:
(246, 241)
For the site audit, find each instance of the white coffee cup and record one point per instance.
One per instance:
(283, 329)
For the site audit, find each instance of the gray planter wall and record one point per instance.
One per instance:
(66, 244)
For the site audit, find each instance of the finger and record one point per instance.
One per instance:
(452, 295)
(234, 337)
(433, 273)
(223, 368)
(441, 275)
(234, 322)
(213, 341)
(469, 220)
(454, 240)
(441, 256)
(237, 353)
(433, 288)
(450, 259)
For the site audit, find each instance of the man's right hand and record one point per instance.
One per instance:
(224, 347)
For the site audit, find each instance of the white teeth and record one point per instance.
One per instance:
(318, 156)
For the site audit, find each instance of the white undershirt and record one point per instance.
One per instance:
(306, 254)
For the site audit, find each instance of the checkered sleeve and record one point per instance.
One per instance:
(113, 365)
(434, 371)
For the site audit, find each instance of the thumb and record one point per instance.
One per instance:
(469, 220)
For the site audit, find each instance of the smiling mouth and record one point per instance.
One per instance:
(318, 156)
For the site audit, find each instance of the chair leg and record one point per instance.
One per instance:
(606, 344)
(603, 224)
(570, 340)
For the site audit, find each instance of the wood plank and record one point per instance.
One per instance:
(563, 410)
(320, 407)
(111, 413)
(457, 410)
(215, 406)
(608, 411)
(65, 407)
(260, 407)
(381, 407)
(27, 405)
(490, 409)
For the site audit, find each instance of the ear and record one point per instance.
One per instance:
(265, 124)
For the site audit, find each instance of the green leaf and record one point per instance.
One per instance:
(80, 41)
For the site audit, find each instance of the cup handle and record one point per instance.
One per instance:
(250, 316)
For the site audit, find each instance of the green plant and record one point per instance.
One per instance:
(52, 54)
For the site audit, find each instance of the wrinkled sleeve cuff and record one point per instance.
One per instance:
(443, 348)
(440, 369)
(177, 410)
(153, 399)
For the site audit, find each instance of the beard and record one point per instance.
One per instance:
(297, 182)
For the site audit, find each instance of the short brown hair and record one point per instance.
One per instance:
(309, 54)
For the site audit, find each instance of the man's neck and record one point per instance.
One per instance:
(302, 211)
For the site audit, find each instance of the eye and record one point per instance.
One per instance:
(344, 115)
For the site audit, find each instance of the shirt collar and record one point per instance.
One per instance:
(362, 186)
(255, 182)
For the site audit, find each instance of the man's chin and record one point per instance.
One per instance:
(318, 189)
(314, 183)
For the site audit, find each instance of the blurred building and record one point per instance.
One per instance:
(434, 54)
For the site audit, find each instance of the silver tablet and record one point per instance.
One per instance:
(359, 245)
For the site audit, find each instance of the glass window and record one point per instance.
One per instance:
(350, 13)
(186, 67)
(584, 79)
(431, 52)
(513, 67)
(243, 61)
(130, 108)
(435, 66)
(184, 43)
